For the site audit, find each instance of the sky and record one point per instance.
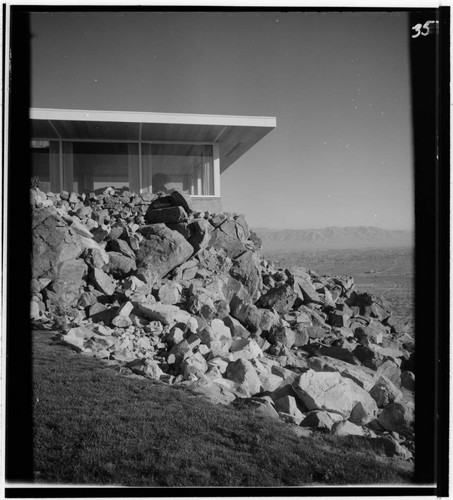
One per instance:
(337, 83)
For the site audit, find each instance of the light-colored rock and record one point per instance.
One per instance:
(103, 282)
(346, 428)
(245, 349)
(179, 353)
(331, 392)
(385, 392)
(288, 404)
(170, 293)
(195, 365)
(243, 373)
(167, 314)
(319, 419)
(121, 321)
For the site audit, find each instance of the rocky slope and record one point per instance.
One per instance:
(334, 238)
(187, 298)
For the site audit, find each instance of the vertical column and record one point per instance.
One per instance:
(68, 166)
(147, 169)
(54, 166)
(133, 167)
(216, 154)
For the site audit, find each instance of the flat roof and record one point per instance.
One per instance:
(235, 134)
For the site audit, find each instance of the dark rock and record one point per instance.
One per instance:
(339, 353)
(122, 247)
(281, 298)
(368, 357)
(120, 266)
(282, 335)
(408, 380)
(182, 200)
(200, 233)
(170, 215)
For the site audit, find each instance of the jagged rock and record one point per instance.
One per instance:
(146, 367)
(301, 337)
(346, 428)
(243, 373)
(261, 406)
(282, 335)
(368, 357)
(237, 330)
(398, 417)
(248, 314)
(225, 236)
(329, 391)
(167, 314)
(320, 419)
(119, 265)
(200, 233)
(281, 298)
(161, 251)
(339, 353)
(169, 215)
(52, 243)
(194, 365)
(362, 376)
(393, 449)
(69, 283)
(103, 282)
(170, 293)
(121, 246)
(288, 404)
(245, 349)
(246, 269)
(306, 289)
(408, 380)
(384, 392)
(390, 370)
(179, 353)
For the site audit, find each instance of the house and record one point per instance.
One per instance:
(82, 151)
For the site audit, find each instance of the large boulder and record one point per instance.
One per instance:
(161, 251)
(385, 392)
(362, 376)
(399, 418)
(243, 373)
(168, 215)
(281, 298)
(53, 243)
(69, 282)
(331, 392)
(246, 269)
(120, 266)
(227, 236)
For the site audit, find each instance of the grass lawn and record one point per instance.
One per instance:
(93, 425)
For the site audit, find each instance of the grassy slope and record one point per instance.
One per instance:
(93, 425)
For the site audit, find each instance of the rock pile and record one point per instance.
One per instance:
(187, 298)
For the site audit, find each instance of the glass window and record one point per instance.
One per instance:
(183, 167)
(100, 165)
(40, 163)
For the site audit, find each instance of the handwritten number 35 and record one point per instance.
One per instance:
(424, 29)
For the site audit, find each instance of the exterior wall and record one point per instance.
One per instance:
(208, 203)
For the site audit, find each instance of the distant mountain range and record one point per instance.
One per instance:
(333, 238)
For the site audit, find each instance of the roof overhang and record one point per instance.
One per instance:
(234, 134)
